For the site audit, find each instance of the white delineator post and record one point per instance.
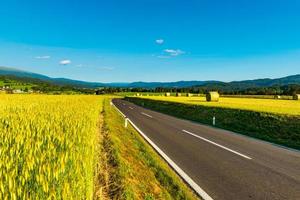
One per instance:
(214, 120)
(126, 122)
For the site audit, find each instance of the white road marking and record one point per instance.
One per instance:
(131, 108)
(118, 110)
(221, 146)
(185, 177)
(146, 114)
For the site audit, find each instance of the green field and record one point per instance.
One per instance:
(15, 84)
(289, 107)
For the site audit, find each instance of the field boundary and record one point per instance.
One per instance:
(173, 165)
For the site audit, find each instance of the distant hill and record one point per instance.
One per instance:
(238, 85)
(294, 79)
(178, 84)
(56, 81)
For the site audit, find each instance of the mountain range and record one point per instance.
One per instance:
(266, 82)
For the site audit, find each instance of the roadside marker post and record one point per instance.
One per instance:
(111, 103)
(214, 120)
(126, 122)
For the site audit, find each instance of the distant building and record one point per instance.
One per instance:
(18, 91)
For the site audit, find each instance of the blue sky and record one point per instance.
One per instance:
(152, 40)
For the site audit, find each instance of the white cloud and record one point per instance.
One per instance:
(42, 57)
(65, 62)
(159, 41)
(174, 52)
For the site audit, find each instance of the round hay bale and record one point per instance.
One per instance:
(277, 97)
(168, 94)
(212, 96)
(178, 94)
(189, 95)
(296, 97)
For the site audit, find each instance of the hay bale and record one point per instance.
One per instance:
(189, 95)
(277, 97)
(168, 94)
(178, 94)
(137, 94)
(296, 97)
(212, 96)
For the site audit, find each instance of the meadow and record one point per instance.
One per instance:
(48, 146)
(288, 107)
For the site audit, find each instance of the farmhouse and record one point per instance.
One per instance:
(178, 94)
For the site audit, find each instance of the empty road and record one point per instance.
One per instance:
(224, 164)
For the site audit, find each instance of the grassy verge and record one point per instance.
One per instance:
(276, 128)
(137, 170)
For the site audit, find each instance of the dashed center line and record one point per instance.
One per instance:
(216, 144)
(146, 114)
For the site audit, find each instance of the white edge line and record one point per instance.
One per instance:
(221, 146)
(118, 110)
(179, 171)
(146, 114)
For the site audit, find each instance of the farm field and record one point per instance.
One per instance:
(289, 107)
(48, 146)
(276, 121)
(76, 147)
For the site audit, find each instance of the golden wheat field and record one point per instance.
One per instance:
(47, 146)
(290, 107)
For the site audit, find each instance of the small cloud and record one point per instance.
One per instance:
(65, 62)
(159, 41)
(174, 52)
(42, 57)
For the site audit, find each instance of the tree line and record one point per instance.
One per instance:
(272, 90)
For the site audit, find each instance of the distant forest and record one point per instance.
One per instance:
(273, 90)
(9, 82)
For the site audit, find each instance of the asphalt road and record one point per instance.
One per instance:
(224, 164)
